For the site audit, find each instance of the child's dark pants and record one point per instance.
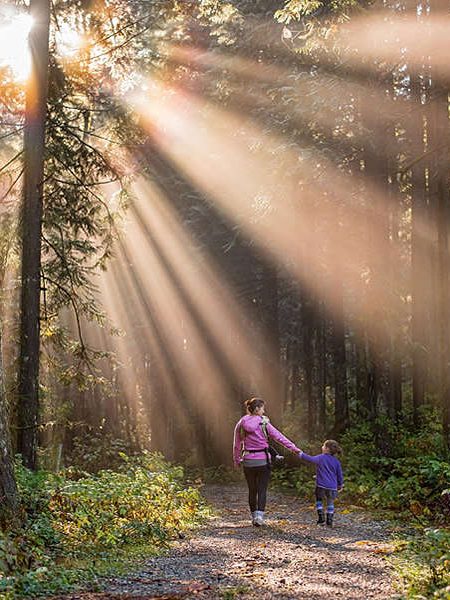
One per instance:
(324, 495)
(257, 481)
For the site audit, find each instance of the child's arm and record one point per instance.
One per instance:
(276, 435)
(311, 459)
(237, 445)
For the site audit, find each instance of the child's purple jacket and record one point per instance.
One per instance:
(328, 470)
(254, 438)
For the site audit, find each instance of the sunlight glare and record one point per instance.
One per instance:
(69, 41)
(14, 51)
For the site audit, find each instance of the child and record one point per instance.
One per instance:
(329, 479)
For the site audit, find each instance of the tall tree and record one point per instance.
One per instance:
(34, 138)
(420, 270)
(440, 182)
(9, 496)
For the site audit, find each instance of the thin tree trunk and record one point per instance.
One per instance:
(35, 121)
(361, 377)
(308, 362)
(9, 495)
(440, 182)
(394, 397)
(341, 411)
(444, 308)
(271, 355)
(420, 266)
(322, 374)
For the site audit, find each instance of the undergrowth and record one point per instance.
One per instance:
(80, 525)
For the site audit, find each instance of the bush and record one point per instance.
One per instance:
(96, 450)
(390, 467)
(74, 516)
(425, 565)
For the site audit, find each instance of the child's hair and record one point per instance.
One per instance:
(333, 447)
(253, 404)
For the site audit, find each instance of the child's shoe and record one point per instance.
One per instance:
(330, 519)
(321, 518)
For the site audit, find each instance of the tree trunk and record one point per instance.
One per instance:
(322, 374)
(35, 121)
(9, 496)
(444, 308)
(308, 362)
(395, 323)
(271, 354)
(341, 411)
(420, 263)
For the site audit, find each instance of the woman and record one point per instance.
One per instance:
(251, 448)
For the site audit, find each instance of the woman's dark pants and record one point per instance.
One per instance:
(257, 481)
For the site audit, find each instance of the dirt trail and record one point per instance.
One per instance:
(289, 558)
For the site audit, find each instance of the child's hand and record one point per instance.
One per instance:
(300, 454)
(340, 488)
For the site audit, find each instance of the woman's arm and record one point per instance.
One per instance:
(276, 435)
(237, 444)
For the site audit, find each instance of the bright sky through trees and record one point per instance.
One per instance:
(307, 156)
(14, 29)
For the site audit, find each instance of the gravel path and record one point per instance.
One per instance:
(289, 558)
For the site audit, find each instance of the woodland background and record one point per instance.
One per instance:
(205, 201)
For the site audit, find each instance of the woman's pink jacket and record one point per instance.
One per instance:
(249, 431)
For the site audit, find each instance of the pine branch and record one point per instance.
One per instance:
(11, 187)
(14, 158)
(11, 133)
(85, 186)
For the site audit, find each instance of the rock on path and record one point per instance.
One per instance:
(289, 558)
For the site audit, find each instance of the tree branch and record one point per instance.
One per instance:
(5, 166)
(8, 191)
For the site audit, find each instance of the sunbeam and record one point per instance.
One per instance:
(234, 176)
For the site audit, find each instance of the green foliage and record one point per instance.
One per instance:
(99, 450)
(387, 466)
(390, 467)
(294, 10)
(217, 474)
(299, 479)
(424, 566)
(74, 517)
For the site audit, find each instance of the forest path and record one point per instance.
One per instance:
(289, 558)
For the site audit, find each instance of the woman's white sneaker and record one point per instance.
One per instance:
(259, 518)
